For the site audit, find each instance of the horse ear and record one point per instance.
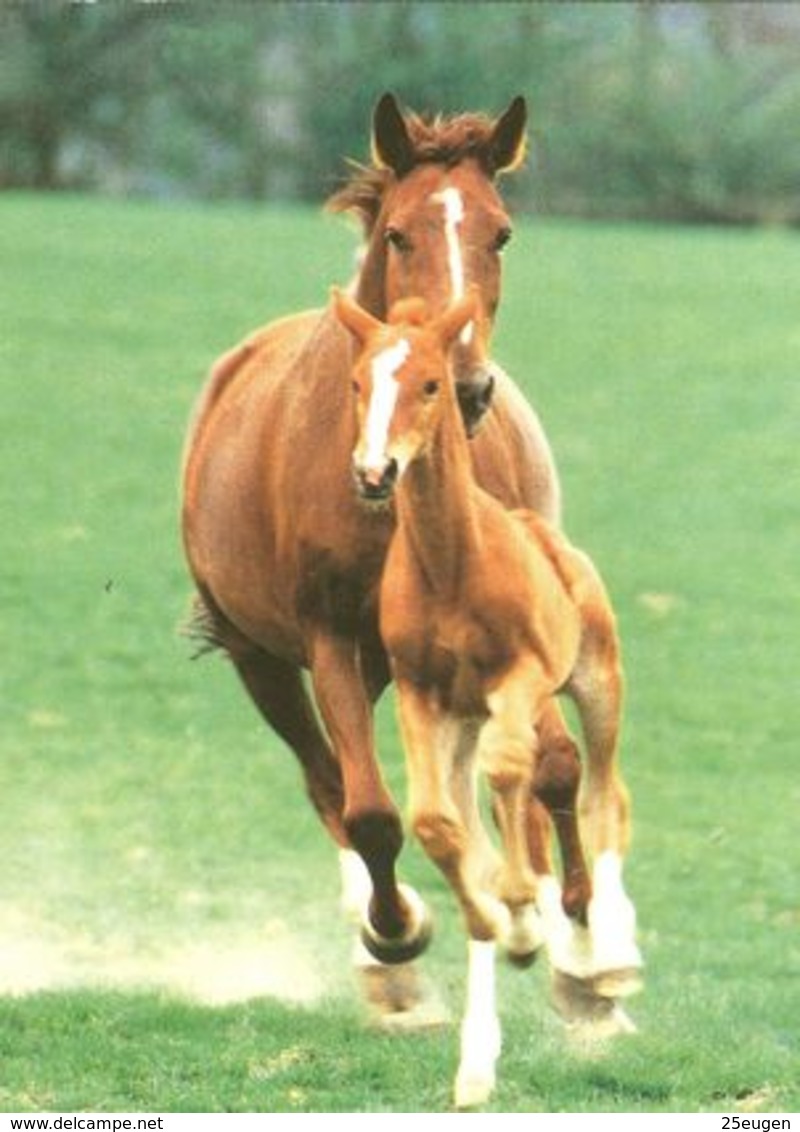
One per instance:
(458, 314)
(392, 148)
(508, 142)
(353, 317)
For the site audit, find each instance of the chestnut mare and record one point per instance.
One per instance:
(486, 614)
(285, 555)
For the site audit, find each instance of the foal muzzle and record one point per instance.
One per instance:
(375, 485)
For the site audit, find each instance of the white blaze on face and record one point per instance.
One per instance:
(382, 402)
(453, 204)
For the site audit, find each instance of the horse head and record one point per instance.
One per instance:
(436, 224)
(402, 381)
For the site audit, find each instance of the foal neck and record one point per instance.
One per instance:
(437, 506)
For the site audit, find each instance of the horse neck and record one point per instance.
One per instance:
(437, 508)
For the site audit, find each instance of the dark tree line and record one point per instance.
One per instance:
(676, 110)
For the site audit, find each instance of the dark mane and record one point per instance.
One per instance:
(437, 141)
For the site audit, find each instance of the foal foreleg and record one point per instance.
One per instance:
(439, 757)
(440, 815)
(481, 1039)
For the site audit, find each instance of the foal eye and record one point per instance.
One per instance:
(355, 387)
(430, 387)
(501, 239)
(397, 239)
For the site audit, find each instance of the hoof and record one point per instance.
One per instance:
(400, 1000)
(589, 1017)
(406, 947)
(472, 1089)
(522, 960)
(617, 984)
(525, 937)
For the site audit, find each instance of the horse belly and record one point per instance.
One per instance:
(231, 509)
(232, 556)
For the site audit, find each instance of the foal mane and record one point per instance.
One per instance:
(440, 140)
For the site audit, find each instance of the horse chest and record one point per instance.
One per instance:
(456, 657)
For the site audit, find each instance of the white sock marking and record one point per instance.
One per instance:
(356, 884)
(480, 1028)
(612, 918)
(453, 204)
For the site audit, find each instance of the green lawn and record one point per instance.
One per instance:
(169, 930)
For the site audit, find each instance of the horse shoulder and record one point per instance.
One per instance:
(268, 346)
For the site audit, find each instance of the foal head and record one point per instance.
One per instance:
(435, 222)
(402, 384)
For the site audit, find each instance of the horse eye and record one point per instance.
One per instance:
(356, 387)
(501, 239)
(430, 387)
(397, 239)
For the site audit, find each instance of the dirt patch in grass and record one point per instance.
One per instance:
(218, 969)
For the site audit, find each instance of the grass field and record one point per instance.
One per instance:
(169, 931)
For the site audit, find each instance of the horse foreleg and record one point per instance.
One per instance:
(277, 689)
(564, 911)
(556, 784)
(398, 994)
(397, 926)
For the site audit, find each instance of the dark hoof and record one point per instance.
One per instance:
(523, 959)
(401, 950)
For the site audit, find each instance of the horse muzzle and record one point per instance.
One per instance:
(375, 485)
(475, 396)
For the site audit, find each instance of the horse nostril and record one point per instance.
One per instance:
(474, 398)
(390, 474)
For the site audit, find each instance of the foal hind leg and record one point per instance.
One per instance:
(508, 755)
(596, 687)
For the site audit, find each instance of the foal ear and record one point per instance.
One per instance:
(458, 314)
(392, 147)
(353, 317)
(508, 142)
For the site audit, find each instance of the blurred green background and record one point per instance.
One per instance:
(671, 110)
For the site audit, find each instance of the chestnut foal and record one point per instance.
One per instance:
(486, 614)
